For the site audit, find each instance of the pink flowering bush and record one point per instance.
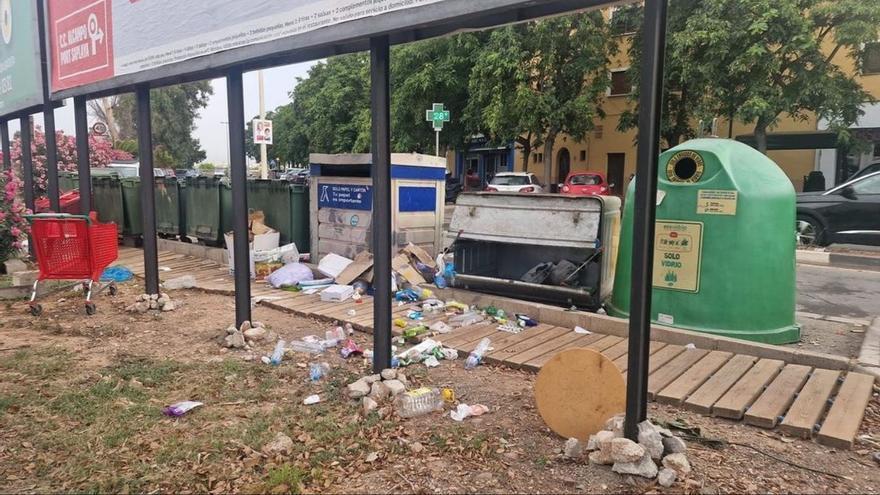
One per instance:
(13, 225)
(101, 153)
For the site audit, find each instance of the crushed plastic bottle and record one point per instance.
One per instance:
(476, 356)
(278, 353)
(309, 347)
(418, 402)
(318, 371)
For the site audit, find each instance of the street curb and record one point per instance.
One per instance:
(869, 354)
(822, 258)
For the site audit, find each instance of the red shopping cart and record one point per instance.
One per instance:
(72, 247)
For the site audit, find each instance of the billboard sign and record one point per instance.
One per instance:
(103, 45)
(21, 85)
(262, 131)
(95, 40)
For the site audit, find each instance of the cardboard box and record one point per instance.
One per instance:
(262, 242)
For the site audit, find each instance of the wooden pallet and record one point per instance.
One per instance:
(803, 401)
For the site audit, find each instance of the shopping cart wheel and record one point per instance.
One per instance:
(112, 289)
(91, 309)
(36, 309)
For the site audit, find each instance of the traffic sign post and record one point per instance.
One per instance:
(437, 116)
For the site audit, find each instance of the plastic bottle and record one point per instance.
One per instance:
(278, 353)
(318, 371)
(476, 356)
(418, 402)
(310, 347)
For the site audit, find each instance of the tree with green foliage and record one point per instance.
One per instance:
(761, 59)
(682, 92)
(542, 79)
(174, 110)
(428, 72)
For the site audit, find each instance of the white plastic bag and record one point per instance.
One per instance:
(290, 275)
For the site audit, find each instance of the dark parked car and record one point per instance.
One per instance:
(848, 213)
(869, 169)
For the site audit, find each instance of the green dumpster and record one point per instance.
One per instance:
(131, 200)
(202, 209)
(286, 207)
(170, 219)
(107, 197)
(68, 181)
(724, 250)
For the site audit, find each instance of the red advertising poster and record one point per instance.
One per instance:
(81, 41)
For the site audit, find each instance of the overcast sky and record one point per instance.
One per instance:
(210, 129)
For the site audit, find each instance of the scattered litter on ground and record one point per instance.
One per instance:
(582, 331)
(116, 274)
(464, 411)
(184, 282)
(312, 399)
(180, 408)
(476, 356)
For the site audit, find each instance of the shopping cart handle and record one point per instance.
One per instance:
(59, 216)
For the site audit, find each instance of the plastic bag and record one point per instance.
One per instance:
(290, 275)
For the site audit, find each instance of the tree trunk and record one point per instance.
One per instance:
(761, 136)
(548, 160)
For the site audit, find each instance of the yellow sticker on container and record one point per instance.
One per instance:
(716, 202)
(677, 255)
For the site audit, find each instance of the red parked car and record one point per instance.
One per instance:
(585, 184)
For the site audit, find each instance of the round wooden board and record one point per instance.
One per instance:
(577, 391)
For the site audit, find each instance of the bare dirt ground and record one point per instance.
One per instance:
(830, 337)
(80, 402)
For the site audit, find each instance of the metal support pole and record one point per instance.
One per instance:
(148, 199)
(4, 142)
(83, 166)
(381, 147)
(651, 85)
(51, 158)
(48, 118)
(27, 170)
(437, 143)
(238, 174)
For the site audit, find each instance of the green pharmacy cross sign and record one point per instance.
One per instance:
(437, 116)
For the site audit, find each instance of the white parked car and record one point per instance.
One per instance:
(522, 182)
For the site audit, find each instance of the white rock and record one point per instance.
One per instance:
(402, 378)
(145, 297)
(666, 478)
(369, 405)
(258, 324)
(650, 439)
(678, 463)
(624, 450)
(389, 374)
(154, 297)
(643, 467)
(163, 300)
(595, 441)
(231, 329)
(255, 333)
(245, 326)
(169, 306)
(358, 389)
(615, 425)
(378, 391)
(674, 445)
(281, 444)
(395, 386)
(371, 379)
(235, 339)
(573, 449)
(601, 457)
(154, 305)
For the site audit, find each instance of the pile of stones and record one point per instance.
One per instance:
(154, 302)
(248, 335)
(658, 453)
(374, 389)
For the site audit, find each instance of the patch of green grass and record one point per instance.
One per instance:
(542, 461)
(86, 405)
(43, 363)
(289, 475)
(6, 403)
(145, 370)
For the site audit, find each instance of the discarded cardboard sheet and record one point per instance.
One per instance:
(400, 264)
(362, 262)
(420, 254)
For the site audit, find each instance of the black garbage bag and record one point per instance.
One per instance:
(538, 274)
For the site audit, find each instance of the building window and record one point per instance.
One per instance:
(620, 84)
(871, 58)
(625, 19)
(583, 155)
(877, 151)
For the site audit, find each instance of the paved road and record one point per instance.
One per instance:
(838, 292)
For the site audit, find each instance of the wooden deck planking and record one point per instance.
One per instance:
(810, 403)
(536, 339)
(464, 335)
(622, 362)
(704, 397)
(667, 373)
(733, 404)
(583, 341)
(547, 346)
(617, 350)
(845, 416)
(773, 403)
(689, 381)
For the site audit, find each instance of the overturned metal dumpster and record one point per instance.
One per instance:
(540, 247)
